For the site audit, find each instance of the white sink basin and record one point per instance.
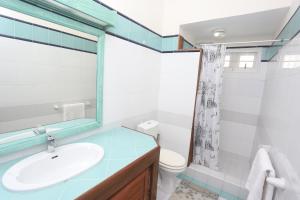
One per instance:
(45, 169)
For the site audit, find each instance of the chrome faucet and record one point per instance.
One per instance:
(51, 143)
(39, 130)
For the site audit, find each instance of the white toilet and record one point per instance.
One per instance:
(170, 162)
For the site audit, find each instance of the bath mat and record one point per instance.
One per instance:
(189, 191)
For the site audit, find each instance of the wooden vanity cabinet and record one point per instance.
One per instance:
(137, 189)
(137, 181)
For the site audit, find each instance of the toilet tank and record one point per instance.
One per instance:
(149, 127)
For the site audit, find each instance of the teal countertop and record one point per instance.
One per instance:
(121, 147)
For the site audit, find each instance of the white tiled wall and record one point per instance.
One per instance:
(178, 81)
(131, 80)
(175, 138)
(279, 120)
(141, 84)
(242, 93)
(237, 137)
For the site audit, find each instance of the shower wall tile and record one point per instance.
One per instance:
(279, 120)
(240, 107)
(237, 138)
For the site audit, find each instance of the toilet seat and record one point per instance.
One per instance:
(171, 161)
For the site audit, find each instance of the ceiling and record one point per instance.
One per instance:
(255, 26)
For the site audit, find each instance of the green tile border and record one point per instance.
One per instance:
(19, 29)
(132, 31)
(124, 27)
(290, 30)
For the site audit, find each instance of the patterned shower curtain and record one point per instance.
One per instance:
(207, 110)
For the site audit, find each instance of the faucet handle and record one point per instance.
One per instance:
(51, 138)
(51, 143)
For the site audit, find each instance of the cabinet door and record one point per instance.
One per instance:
(137, 189)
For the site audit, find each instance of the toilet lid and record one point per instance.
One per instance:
(171, 159)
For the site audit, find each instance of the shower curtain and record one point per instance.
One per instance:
(207, 109)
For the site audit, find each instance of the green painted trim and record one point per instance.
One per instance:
(100, 75)
(42, 139)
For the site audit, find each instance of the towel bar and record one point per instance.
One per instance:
(277, 182)
(57, 107)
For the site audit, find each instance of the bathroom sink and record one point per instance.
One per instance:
(45, 169)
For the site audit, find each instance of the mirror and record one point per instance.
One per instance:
(51, 84)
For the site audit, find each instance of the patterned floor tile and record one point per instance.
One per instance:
(189, 191)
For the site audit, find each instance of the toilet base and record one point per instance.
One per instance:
(167, 181)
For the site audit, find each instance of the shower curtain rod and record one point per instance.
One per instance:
(243, 42)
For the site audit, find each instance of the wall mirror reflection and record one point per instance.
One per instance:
(47, 81)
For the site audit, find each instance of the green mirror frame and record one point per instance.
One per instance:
(40, 13)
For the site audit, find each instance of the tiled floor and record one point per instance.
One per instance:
(189, 191)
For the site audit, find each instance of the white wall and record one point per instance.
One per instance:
(131, 80)
(178, 81)
(141, 84)
(166, 16)
(178, 12)
(240, 107)
(146, 12)
(279, 120)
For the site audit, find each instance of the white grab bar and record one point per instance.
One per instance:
(277, 182)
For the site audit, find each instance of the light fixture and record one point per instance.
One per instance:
(219, 33)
